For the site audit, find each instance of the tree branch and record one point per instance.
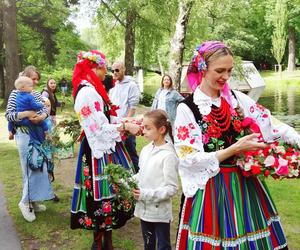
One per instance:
(111, 12)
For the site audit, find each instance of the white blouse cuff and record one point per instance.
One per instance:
(195, 177)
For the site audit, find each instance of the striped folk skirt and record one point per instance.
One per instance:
(232, 212)
(93, 203)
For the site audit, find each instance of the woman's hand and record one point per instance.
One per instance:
(246, 143)
(136, 194)
(132, 128)
(38, 118)
(249, 143)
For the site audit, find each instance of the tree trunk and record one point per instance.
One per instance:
(292, 51)
(129, 40)
(12, 61)
(161, 67)
(1, 52)
(177, 42)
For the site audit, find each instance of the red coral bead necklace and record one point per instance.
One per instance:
(220, 117)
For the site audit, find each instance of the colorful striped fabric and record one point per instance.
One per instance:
(238, 214)
(102, 188)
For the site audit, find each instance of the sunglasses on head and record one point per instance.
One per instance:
(115, 70)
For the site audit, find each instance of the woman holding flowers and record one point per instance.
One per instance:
(93, 196)
(222, 208)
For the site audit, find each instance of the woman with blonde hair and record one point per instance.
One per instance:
(36, 184)
(222, 208)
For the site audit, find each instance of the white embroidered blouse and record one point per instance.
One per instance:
(197, 166)
(101, 135)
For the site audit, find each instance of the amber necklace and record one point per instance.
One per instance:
(220, 117)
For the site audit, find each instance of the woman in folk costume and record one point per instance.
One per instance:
(223, 209)
(101, 144)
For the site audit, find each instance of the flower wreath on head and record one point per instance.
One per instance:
(93, 57)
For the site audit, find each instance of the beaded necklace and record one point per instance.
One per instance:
(220, 117)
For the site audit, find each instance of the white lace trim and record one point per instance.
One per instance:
(199, 171)
(273, 219)
(205, 102)
(228, 243)
(105, 141)
(181, 225)
(281, 246)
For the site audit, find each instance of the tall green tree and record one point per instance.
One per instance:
(144, 27)
(293, 29)
(11, 52)
(178, 40)
(1, 52)
(279, 36)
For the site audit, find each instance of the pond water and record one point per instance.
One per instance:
(282, 98)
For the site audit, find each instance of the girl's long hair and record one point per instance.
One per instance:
(160, 119)
(52, 96)
(162, 81)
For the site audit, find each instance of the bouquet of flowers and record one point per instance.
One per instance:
(278, 159)
(123, 184)
(124, 202)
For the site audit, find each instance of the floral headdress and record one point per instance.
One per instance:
(198, 66)
(86, 61)
(93, 56)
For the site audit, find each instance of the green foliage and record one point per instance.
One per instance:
(70, 128)
(146, 99)
(279, 36)
(45, 36)
(57, 74)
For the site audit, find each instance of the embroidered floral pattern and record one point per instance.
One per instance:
(86, 222)
(97, 106)
(106, 207)
(183, 133)
(85, 111)
(94, 127)
(185, 150)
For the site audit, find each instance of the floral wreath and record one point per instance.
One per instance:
(96, 58)
(67, 127)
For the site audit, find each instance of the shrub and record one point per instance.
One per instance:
(146, 99)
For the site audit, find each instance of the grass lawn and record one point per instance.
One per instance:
(51, 229)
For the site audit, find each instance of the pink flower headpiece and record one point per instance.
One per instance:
(199, 65)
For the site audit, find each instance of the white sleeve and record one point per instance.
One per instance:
(170, 184)
(101, 135)
(195, 165)
(271, 128)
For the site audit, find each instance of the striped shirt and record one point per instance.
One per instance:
(11, 113)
